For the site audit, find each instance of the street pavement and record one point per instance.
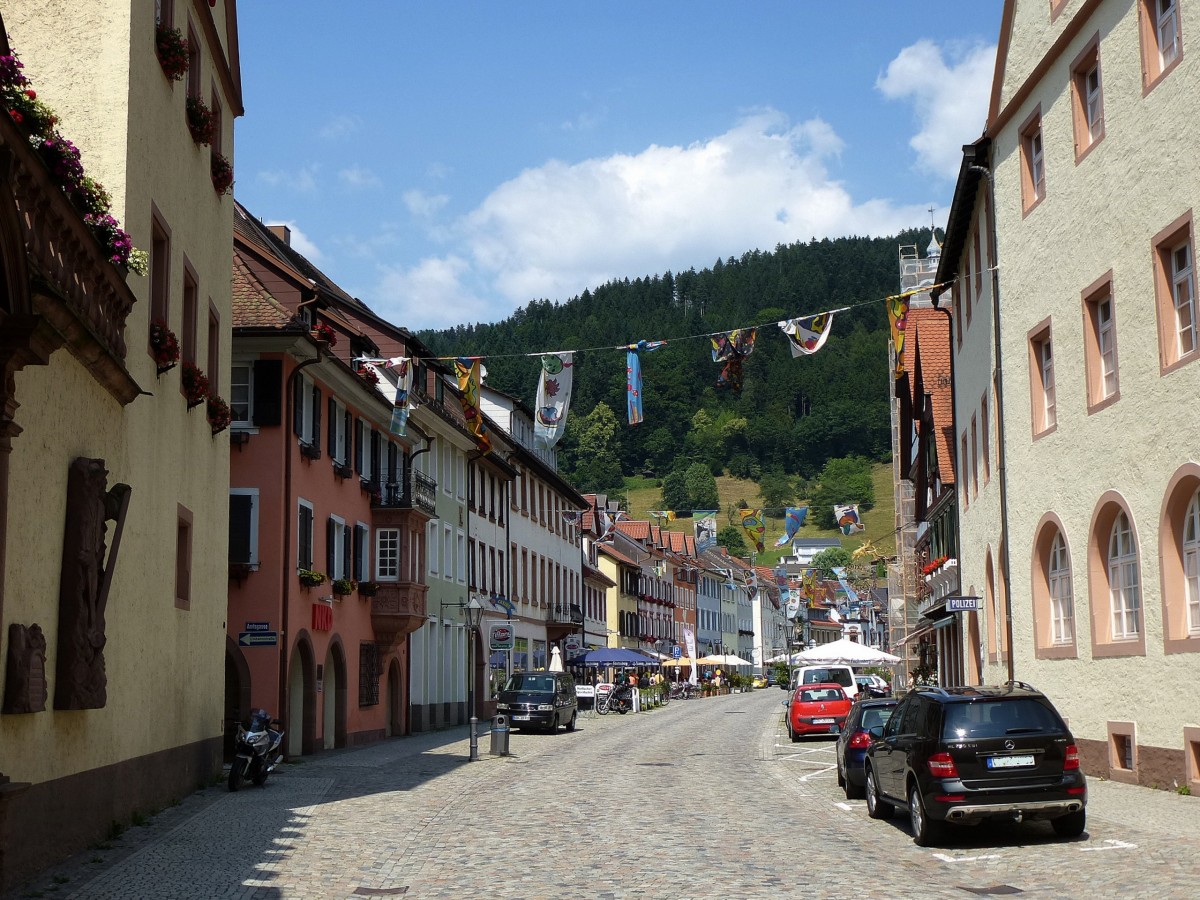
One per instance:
(702, 799)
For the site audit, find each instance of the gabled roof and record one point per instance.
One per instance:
(613, 553)
(929, 329)
(638, 530)
(253, 304)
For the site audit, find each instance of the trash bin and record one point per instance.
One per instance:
(500, 736)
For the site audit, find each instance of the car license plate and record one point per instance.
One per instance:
(520, 718)
(1009, 762)
(822, 721)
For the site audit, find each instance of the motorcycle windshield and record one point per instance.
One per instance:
(260, 720)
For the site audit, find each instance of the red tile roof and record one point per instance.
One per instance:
(639, 531)
(932, 328)
(253, 305)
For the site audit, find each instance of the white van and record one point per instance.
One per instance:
(826, 674)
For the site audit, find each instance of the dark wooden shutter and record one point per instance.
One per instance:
(348, 567)
(315, 438)
(376, 457)
(298, 393)
(304, 545)
(348, 438)
(268, 391)
(357, 571)
(330, 559)
(333, 429)
(241, 508)
(358, 446)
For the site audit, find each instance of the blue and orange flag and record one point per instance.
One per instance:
(466, 369)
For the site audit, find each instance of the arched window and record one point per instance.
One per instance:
(1123, 582)
(1191, 563)
(1062, 602)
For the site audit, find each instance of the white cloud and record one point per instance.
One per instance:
(950, 99)
(340, 126)
(424, 205)
(301, 242)
(557, 229)
(303, 181)
(358, 177)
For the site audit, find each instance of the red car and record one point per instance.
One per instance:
(817, 709)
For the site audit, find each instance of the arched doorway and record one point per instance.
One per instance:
(333, 700)
(302, 698)
(237, 694)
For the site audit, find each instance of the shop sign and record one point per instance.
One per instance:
(501, 636)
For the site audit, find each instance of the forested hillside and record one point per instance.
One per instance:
(792, 415)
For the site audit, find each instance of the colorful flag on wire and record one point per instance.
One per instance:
(897, 311)
(807, 335)
(572, 516)
(400, 408)
(704, 521)
(752, 524)
(467, 371)
(847, 519)
(793, 518)
(633, 377)
(553, 398)
(732, 348)
(667, 514)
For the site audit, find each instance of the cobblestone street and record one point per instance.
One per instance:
(702, 799)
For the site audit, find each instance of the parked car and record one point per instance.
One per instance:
(539, 700)
(759, 681)
(817, 709)
(854, 740)
(826, 674)
(965, 754)
(873, 685)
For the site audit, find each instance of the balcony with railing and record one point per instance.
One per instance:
(416, 492)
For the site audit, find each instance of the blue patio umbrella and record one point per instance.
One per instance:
(612, 656)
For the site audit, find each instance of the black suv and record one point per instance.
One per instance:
(964, 754)
(539, 699)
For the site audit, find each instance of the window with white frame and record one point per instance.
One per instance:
(1045, 412)
(1166, 27)
(460, 478)
(1033, 162)
(336, 547)
(387, 554)
(460, 556)
(1191, 563)
(241, 393)
(364, 449)
(1093, 112)
(433, 547)
(1123, 581)
(1183, 293)
(1062, 603)
(447, 553)
(339, 438)
(1106, 345)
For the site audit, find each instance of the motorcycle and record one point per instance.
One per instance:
(259, 750)
(619, 700)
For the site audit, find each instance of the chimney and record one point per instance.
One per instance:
(282, 232)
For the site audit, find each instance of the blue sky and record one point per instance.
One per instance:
(448, 162)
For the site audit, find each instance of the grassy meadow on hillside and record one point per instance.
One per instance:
(644, 495)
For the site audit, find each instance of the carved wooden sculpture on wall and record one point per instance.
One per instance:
(80, 681)
(25, 676)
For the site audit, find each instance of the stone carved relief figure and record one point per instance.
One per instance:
(80, 681)
(25, 678)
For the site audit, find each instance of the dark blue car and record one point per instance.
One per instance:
(853, 743)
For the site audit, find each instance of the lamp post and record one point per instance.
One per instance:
(474, 611)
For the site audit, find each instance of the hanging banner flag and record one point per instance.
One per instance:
(897, 311)
(732, 348)
(807, 335)
(467, 371)
(400, 409)
(793, 518)
(572, 516)
(847, 519)
(750, 577)
(553, 398)
(633, 377)
(752, 524)
(689, 643)
(705, 525)
(667, 514)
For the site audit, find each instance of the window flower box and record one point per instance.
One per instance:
(219, 415)
(309, 451)
(342, 470)
(311, 578)
(222, 173)
(343, 587)
(367, 374)
(164, 345)
(202, 123)
(368, 588)
(195, 385)
(173, 52)
(325, 334)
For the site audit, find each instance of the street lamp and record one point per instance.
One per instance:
(474, 611)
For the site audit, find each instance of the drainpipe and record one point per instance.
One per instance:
(284, 568)
(1001, 468)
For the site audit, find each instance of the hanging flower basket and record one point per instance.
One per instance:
(202, 122)
(172, 49)
(325, 333)
(195, 385)
(219, 415)
(311, 578)
(222, 173)
(164, 345)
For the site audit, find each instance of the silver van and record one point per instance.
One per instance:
(833, 673)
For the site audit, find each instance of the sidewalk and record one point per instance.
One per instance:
(1144, 809)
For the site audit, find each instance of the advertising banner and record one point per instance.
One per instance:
(501, 636)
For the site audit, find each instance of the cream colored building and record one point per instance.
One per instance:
(1093, 127)
(126, 733)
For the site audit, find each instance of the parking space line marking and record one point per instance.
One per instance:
(1112, 845)
(957, 859)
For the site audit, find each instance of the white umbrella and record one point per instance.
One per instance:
(731, 659)
(556, 660)
(846, 652)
